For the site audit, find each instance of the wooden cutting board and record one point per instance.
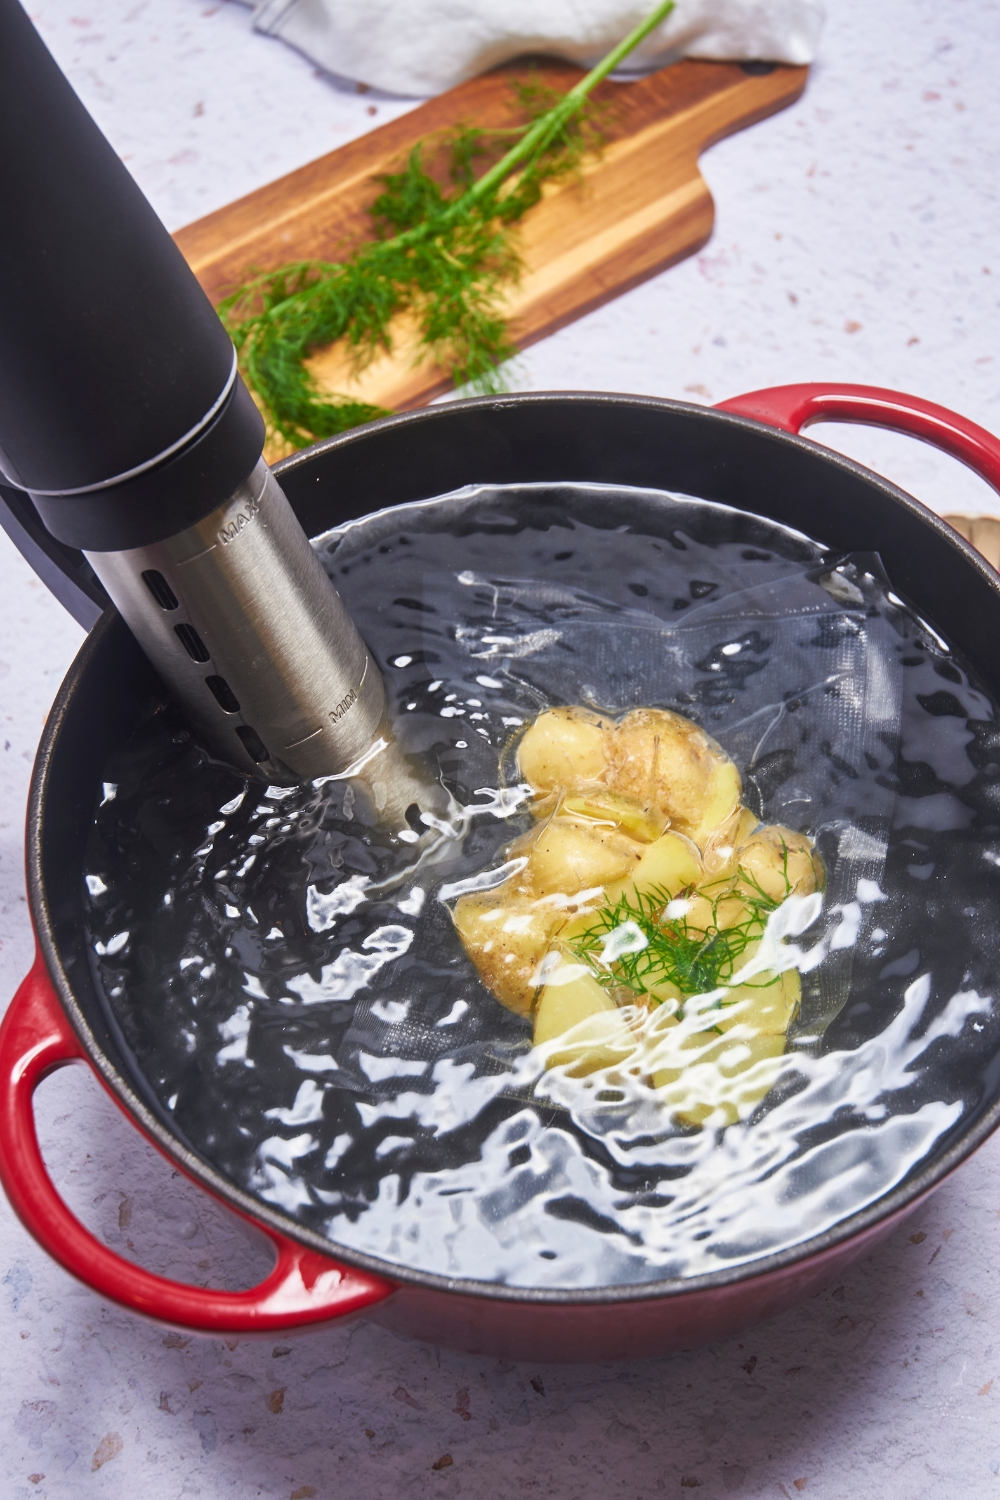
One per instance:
(634, 209)
(982, 531)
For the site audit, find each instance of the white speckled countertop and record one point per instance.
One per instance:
(857, 238)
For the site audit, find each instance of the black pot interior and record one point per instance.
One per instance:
(609, 439)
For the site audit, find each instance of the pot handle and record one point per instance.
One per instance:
(303, 1288)
(792, 407)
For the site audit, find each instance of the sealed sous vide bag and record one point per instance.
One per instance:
(796, 675)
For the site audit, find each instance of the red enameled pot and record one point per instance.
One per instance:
(746, 453)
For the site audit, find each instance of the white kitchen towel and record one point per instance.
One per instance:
(420, 47)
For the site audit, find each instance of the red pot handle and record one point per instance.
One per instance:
(303, 1288)
(793, 407)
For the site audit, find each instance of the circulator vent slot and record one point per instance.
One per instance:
(192, 642)
(223, 694)
(252, 743)
(160, 589)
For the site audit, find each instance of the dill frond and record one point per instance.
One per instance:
(692, 959)
(445, 256)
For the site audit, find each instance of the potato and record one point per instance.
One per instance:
(597, 1033)
(657, 756)
(614, 809)
(781, 862)
(722, 801)
(717, 909)
(665, 992)
(563, 747)
(568, 856)
(768, 1008)
(671, 864)
(745, 1073)
(719, 850)
(561, 1006)
(507, 940)
(578, 918)
(748, 1028)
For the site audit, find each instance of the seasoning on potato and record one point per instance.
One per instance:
(647, 883)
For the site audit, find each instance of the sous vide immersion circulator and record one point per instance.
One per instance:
(124, 418)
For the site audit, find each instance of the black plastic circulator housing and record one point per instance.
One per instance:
(120, 410)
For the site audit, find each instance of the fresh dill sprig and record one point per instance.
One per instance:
(442, 256)
(693, 958)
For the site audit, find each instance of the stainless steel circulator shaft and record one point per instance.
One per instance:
(241, 621)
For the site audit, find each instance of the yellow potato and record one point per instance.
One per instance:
(721, 802)
(719, 850)
(717, 909)
(507, 940)
(704, 1072)
(597, 1033)
(657, 756)
(688, 1051)
(614, 809)
(563, 747)
(579, 921)
(747, 1029)
(743, 1079)
(664, 992)
(561, 1006)
(768, 1008)
(568, 856)
(781, 862)
(670, 864)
